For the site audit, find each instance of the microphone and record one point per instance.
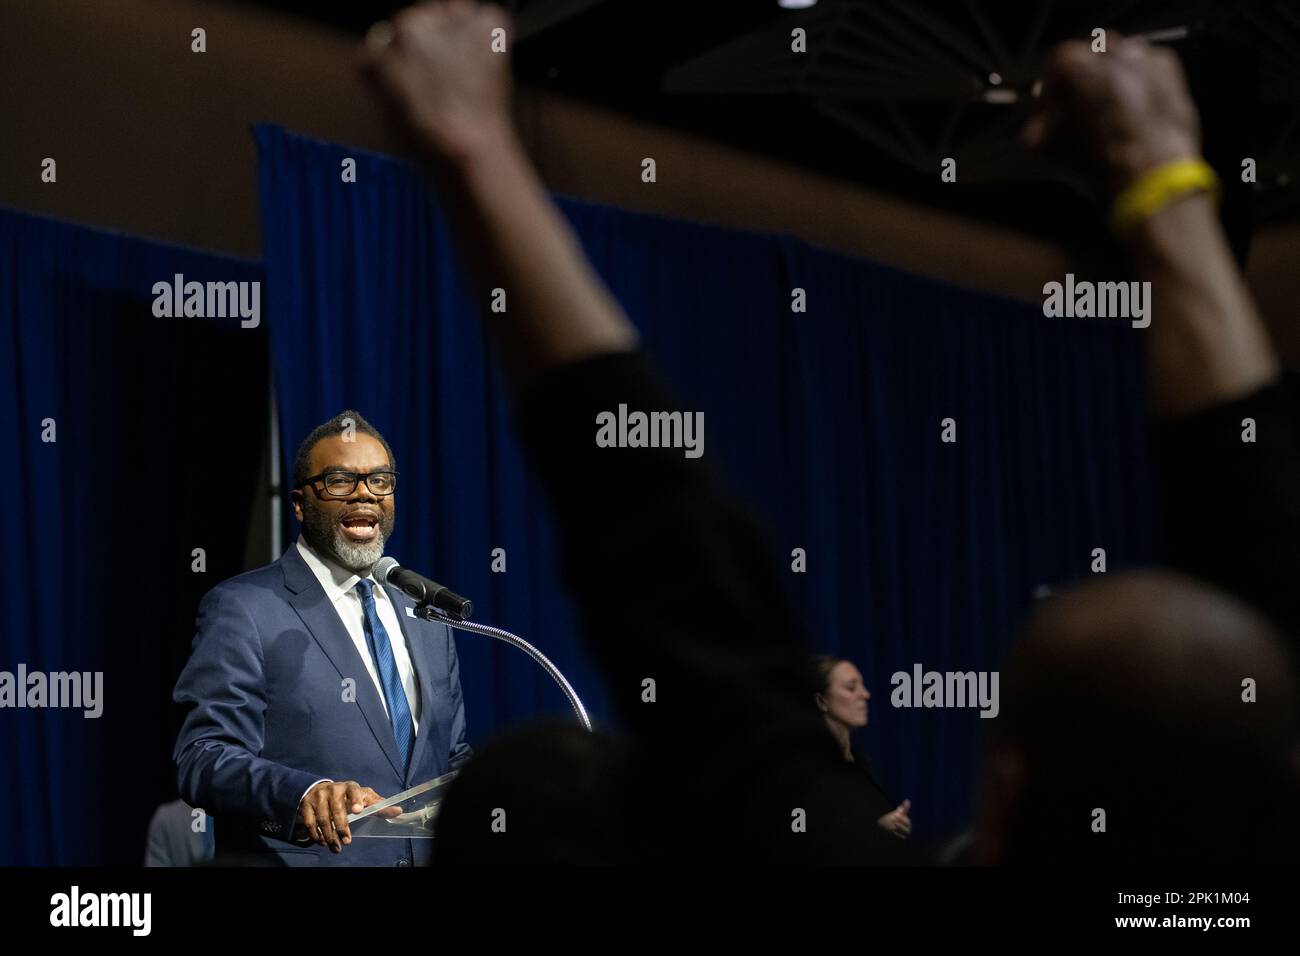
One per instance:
(388, 571)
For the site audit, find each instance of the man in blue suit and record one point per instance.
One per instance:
(312, 690)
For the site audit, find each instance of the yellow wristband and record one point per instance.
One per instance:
(1158, 188)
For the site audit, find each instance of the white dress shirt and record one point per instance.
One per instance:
(340, 587)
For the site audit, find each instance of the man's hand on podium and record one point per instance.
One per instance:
(325, 807)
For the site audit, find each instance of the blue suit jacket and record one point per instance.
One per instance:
(267, 715)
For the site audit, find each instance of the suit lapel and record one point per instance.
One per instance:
(417, 647)
(323, 622)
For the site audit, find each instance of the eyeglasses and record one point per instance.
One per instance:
(341, 484)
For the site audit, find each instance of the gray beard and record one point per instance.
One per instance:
(357, 558)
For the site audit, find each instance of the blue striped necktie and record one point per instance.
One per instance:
(381, 649)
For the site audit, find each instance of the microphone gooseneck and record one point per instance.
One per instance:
(440, 604)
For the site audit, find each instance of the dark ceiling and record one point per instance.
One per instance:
(889, 87)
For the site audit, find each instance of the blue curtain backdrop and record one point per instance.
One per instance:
(827, 422)
(96, 566)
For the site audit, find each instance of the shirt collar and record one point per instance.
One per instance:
(336, 580)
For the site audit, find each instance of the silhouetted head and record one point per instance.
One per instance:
(548, 793)
(841, 695)
(1156, 706)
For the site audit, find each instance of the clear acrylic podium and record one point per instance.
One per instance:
(408, 815)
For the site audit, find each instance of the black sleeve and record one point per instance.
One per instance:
(881, 801)
(1232, 506)
(675, 585)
